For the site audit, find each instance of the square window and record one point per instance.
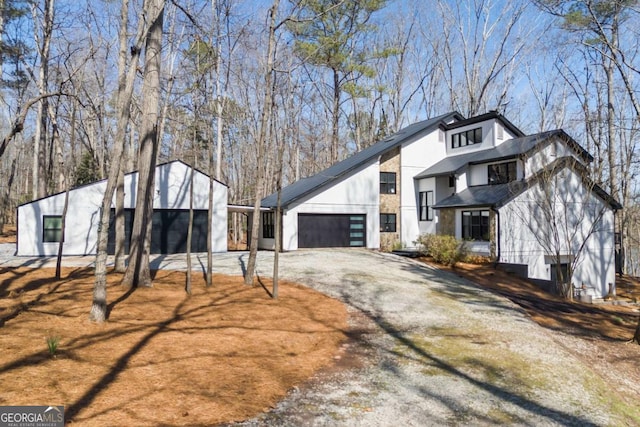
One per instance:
(475, 225)
(387, 223)
(51, 228)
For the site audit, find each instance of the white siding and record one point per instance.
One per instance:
(358, 193)
(83, 217)
(555, 150)
(523, 228)
(414, 158)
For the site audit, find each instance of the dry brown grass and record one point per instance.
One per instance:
(8, 234)
(163, 358)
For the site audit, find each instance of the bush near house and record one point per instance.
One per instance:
(443, 249)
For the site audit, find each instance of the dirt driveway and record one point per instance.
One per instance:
(427, 348)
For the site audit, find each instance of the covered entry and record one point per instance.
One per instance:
(331, 230)
(168, 231)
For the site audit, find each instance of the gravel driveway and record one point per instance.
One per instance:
(427, 348)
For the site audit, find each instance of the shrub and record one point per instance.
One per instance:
(445, 250)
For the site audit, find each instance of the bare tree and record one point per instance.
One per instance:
(43, 42)
(138, 272)
(98, 312)
(482, 42)
(261, 142)
(566, 214)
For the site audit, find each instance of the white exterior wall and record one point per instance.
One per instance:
(356, 194)
(414, 158)
(83, 217)
(522, 219)
(427, 184)
(548, 154)
(488, 133)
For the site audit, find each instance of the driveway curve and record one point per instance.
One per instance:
(427, 348)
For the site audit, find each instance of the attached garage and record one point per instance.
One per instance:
(168, 231)
(331, 230)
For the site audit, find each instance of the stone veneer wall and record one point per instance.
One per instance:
(447, 222)
(390, 203)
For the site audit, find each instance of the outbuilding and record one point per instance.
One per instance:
(40, 221)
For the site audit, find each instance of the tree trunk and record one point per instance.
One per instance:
(335, 117)
(636, 335)
(63, 226)
(264, 123)
(611, 149)
(120, 253)
(138, 271)
(44, 47)
(189, 233)
(98, 311)
(209, 275)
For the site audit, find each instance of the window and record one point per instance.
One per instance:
(388, 223)
(475, 225)
(51, 228)
(267, 225)
(452, 181)
(502, 173)
(426, 206)
(468, 137)
(387, 183)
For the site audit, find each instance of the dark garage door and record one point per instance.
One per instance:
(331, 230)
(168, 231)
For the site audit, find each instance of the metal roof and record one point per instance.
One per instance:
(332, 174)
(512, 148)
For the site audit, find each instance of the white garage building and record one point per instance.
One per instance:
(39, 221)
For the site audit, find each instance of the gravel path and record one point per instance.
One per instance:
(431, 349)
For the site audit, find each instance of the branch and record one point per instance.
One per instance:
(18, 125)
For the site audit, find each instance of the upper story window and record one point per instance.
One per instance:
(502, 173)
(387, 183)
(468, 137)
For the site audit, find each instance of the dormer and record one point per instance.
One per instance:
(477, 133)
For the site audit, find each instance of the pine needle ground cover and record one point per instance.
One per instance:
(163, 358)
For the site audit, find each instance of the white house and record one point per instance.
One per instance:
(525, 201)
(39, 221)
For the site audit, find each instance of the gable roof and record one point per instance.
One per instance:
(306, 186)
(89, 184)
(484, 117)
(509, 149)
(496, 196)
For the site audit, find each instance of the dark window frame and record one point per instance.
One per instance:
(387, 226)
(426, 205)
(466, 138)
(502, 173)
(387, 186)
(474, 226)
(268, 225)
(51, 234)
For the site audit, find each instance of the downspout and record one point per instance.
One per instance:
(497, 212)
